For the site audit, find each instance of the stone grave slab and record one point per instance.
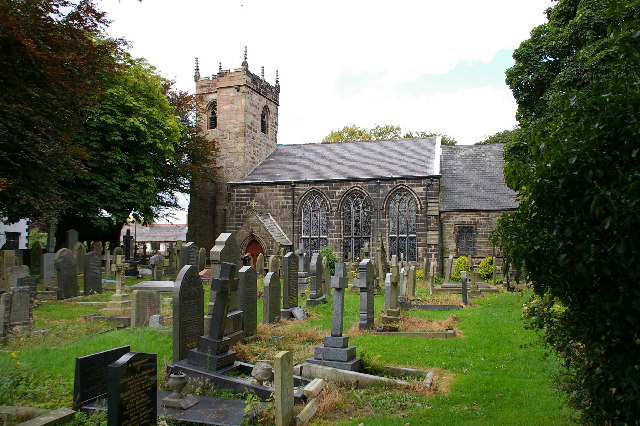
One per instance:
(161, 286)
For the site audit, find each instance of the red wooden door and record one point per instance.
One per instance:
(255, 249)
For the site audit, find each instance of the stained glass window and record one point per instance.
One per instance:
(402, 226)
(356, 229)
(264, 120)
(466, 244)
(314, 223)
(213, 116)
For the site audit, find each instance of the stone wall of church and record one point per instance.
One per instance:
(483, 223)
(284, 202)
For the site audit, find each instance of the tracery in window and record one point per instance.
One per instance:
(356, 224)
(264, 120)
(315, 228)
(402, 226)
(213, 116)
(465, 240)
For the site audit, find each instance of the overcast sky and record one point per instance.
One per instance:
(424, 65)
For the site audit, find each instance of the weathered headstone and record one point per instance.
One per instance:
(260, 265)
(90, 380)
(120, 303)
(79, 251)
(170, 270)
(144, 303)
(5, 312)
(283, 392)
(189, 254)
(248, 298)
(31, 282)
(127, 242)
(447, 268)
(465, 288)
(21, 313)
(271, 306)
(157, 261)
(365, 282)
(108, 259)
(403, 284)
(15, 274)
(72, 238)
(92, 273)
(392, 313)
(178, 255)
(303, 269)
(432, 277)
(202, 259)
(97, 247)
(336, 351)
(36, 257)
(66, 272)
(8, 259)
(213, 351)
(133, 390)
(47, 268)
(118, 251)
(411, 282)
(188, 311)
(315, 281)
(326, 276)
(381, 261)
(290, 285)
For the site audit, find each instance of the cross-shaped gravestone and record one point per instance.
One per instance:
(365, 282)
(213, 351)
(338, 282)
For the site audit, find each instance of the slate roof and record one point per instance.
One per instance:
(347, 161)
(157, 232)
(274, 229)
(472, 179)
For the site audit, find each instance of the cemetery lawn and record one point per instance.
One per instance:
(495, 373)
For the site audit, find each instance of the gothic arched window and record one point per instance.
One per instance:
(264, 120)
(356, 224)
(402, 226)
(315, 226)
(213, 116)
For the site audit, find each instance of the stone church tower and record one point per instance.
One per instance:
(237, 112)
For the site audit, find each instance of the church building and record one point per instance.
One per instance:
(421, 198)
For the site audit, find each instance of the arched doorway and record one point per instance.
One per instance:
(255, 248)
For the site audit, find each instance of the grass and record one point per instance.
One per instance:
(496, 373)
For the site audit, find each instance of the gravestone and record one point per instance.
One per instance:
(432, 277)
(8, 259)
(90, 380)
(189, 254)
(336, 351)
(315, 281)
(66, 272)
(283, 391)
(411, 282)
(157, 261)
(271, 306)
(120, 303)
(213, 351)
(170, 270)
(248, 298)
(133, 390)
(290, 285)
(226, 250)
(392, 313)
(5, 313)
(303, 269)
(118, 251)
(21, 311)
(381, 261)
(97, 247)
(15, 274)
(188, 311)
(447, 268)
(465, 288)
(365, 282)
(144, 303)
(402, 293)
(36, 257)
(326, 276)
(260, 265)
(31, 282)
(47, 266)
(127, 243)
(72, 238)
(92, 273)
(178, 254)
(108, 259)
(202, 259)
(79, 251)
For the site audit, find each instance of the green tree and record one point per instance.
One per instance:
(504, 136)
(576, 167)
(52, 64)
(386, 132)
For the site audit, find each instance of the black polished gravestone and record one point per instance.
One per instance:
(90, 381)
(133, 390)
(213, 351)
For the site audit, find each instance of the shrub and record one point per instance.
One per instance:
(462, 264)
(419, 274)
(328, 253)
(486, 268)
